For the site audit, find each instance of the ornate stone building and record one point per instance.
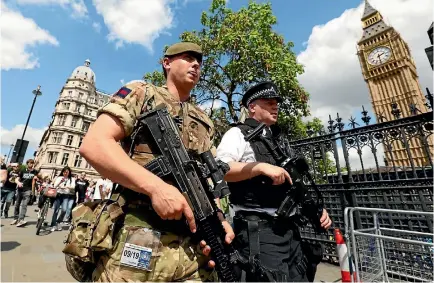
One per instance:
(74, 113)
(390, 72)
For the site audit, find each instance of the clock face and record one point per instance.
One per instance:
(379, 55)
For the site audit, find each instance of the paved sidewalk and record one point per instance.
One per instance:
(26, 257)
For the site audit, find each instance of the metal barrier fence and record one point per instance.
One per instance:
(385, 254)
(359, 167)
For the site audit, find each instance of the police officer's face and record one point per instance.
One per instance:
(265, 110)
(184, 69)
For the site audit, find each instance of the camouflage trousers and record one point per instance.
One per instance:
(177, 259)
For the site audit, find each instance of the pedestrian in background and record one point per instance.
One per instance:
(65, 186)
(25, 190)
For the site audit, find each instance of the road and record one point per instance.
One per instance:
(26, 257)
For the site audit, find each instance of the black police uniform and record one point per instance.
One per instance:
(273, 243)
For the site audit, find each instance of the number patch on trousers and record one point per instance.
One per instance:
(136, 256)
(141, 248)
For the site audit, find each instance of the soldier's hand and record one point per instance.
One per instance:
(276, 173)
(325, 220)
(230, 235)
(170, 204)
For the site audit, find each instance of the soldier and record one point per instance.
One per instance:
(258, 231)
(153, 204)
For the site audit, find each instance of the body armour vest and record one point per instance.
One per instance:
(196, 128)
(252, 192)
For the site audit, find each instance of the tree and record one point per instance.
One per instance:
(240, 48)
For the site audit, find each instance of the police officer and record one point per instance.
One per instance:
(275, 243)
(152, 203)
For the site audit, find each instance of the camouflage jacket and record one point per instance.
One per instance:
(135, 98)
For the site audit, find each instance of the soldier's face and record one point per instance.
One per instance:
(265, 110)
(184, 69)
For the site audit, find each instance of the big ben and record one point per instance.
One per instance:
(390, 73)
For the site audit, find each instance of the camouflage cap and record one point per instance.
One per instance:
(182, 47)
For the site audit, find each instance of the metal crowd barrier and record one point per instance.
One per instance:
(382, 254)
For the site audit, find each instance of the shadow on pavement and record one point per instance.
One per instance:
(8, 246)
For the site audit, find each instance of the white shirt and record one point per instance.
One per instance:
(65, 185)
(233, 147)
(105, 185)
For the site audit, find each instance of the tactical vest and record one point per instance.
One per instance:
(253, 192)
(196, 128)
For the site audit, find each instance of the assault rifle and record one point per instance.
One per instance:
(298, 193)
(191, 178)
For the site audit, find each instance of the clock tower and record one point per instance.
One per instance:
(390, 72)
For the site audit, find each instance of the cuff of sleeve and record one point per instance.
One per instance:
(121, 113)
(225, 159)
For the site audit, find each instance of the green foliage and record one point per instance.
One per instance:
(156, 78)
(241, 48)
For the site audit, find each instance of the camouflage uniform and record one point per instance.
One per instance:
(179, 257)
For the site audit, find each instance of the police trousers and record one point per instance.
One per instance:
(275, 243)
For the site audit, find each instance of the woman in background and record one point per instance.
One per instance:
(65, 186)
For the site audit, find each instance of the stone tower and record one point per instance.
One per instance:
(390, 72)
(74, 112)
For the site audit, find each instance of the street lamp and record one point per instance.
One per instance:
(37, 92)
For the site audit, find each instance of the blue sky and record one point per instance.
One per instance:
(123, 43)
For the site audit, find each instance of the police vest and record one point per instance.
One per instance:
(253, 192)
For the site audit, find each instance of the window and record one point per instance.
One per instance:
(69, 140)
(56, 137)
(65, 159)
(61, 120)
(52, 157)
(65, 105)
(92, 99)
(81, 140)
(101, 102)
(77, 107)
(74, 122)
(70, 93)
(88, 166)
(80, 95)
(89, 112)
(85, 126)
(78, 160)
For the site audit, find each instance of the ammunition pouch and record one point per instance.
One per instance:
(92, 231)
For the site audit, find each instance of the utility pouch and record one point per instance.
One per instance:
(92, 229)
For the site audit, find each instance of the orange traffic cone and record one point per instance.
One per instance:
(344, 263)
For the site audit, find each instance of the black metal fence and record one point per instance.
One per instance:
(356, 167)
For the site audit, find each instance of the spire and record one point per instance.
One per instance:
(369, 10)
(373, 23)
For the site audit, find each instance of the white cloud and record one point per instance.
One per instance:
(79, 9)
(17, 35)
(367, 157)
(333, 75)
(208, 104)
(135, 21)
(96, 26)
(33, 135)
